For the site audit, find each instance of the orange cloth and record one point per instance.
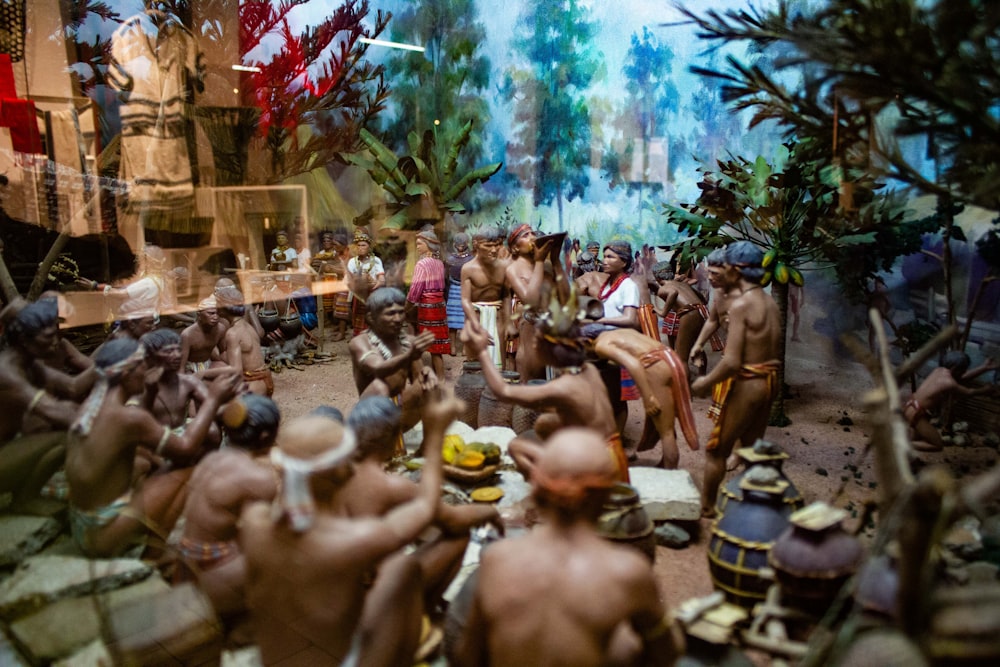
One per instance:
(614, 442)
(767, 370)
(262, 373)
(647, 321)
(679, 390)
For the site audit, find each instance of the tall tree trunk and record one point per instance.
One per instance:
(38, 282)
(7, 286)
(778, 417)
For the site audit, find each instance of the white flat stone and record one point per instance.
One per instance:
(23, 536)
(515, 488)
(413, 437)
(667, 495)
(43, 579)
(248, 656)
(94, 654)
(499, 435)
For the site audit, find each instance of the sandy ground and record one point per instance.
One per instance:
(826, 439)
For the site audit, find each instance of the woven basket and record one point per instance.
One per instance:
(466, 476)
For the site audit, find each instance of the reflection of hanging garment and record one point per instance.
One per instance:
(151, 64)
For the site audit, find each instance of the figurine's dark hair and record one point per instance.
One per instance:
(489, 233)
(460, 238)
(663, 271)
(113, 351)
(957, 362)
(375, 421)
(747, 258)
(624, 250)
(717, 257)
(30, 320)
(328, 411)
(156, 340)
(384, 297)
(259, 427)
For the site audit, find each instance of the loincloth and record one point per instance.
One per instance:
(679, 390)
(207, 555)
(488, 311)
(261, 374)
(196, 367)
(672, 319)
(84, 523)
(767, 371)
(617, 452)
(647, 321)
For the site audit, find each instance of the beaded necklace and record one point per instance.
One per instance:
(612, 287)
(382, 348)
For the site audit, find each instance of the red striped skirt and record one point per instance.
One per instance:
(432, 315)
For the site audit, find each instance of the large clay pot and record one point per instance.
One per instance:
(814, 558)
(762, 453)
(743, 536)
(269, 320)
(469, 388)
(965, 625)
(624, 520)
(877, 591)
(493, 411)
(523, 419)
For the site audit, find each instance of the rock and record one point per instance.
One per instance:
(515, 488)
(991, 439)
(667, 495)
(23, 536)
(43, 579)
(10, 656)
(960, 427)
(982, 572)
(94, 654)
(500, 435)
(64, 626)
(674, 537)
(960, 440)
(415, 436)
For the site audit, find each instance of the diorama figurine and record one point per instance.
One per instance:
(365, 274)
(683, 312)
(748, 370)
(483, 291)
(560, 593)
(387, 361)
(321, 580)
(243, 350)
(283, 256)
(426, 297)
(200, 341)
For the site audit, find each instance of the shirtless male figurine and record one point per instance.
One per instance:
(387, 361)
(170, 395)
(30, 388)
(221, 485)
(660, 375)
(483, 299)
(747, 374)
(948, 378)
(108, 508)
(200, 341)
(574, 397)
(372, 491)
(323, 581)
(683, 311)
(523, 279)
(561, 594)
(717, 322)
(243, 350)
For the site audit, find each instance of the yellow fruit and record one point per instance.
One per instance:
(796, 277)
(470, 460)
(766, 278)
(781, 273)
(769, 257)
(486, 494)
(453, 444)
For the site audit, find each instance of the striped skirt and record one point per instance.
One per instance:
(432, 316)
(456, 316)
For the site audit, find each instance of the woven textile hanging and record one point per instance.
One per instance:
(12, 28)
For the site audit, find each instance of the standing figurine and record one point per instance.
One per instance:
(483, 296)
(454, 263)
(747, 374)
(684, 313)
(364, 275)
(561, 594)
(283, 256)
(426, 297)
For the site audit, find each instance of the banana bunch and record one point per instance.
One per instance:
(781, 273)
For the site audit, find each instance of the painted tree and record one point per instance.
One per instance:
(793, 210)
(651, 97)
(444, 87)
(551, 150)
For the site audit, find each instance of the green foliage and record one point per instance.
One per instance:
(421, 187)
(551, 150)
(444, 87)
(873, 71)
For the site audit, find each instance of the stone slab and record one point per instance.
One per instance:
(40, 580)
(94, 654)
(9, 655)
(515, 488)
(23, 536)
(413, 437)
(667, 495)
(62, 627)
(248, 656)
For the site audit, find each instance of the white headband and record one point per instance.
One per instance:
(296, 501)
